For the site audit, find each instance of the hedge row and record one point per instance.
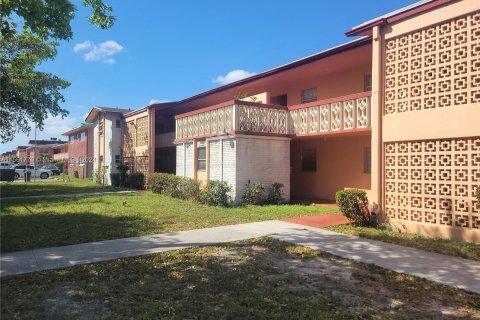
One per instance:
(134, 180)
(213, 193)
(258, 194)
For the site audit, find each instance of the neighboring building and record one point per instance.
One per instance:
(40, 152)
(80, 150)
(60, 154)
(22, 154)
(395, 112)
(107, 138)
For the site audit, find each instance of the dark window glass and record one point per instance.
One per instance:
(118, 124)
(367, 160)
(117, 158)
(367, 82)
(202, 159)
(309, 160)
(309, 95)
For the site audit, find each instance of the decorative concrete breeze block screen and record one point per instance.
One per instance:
(205, 123)
(438, 66)
(142, 131)
(433, 181)
(265, 120)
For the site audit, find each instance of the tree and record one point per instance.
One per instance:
(31, 30)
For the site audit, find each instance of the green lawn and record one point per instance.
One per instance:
(34, 223)
(49, 187)
(448, 247)
(254, 279)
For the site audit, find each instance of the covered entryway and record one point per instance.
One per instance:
(322, 165)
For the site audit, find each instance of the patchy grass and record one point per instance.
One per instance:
(33, 223)
(447, 247)
(52, 187)
(254, 279)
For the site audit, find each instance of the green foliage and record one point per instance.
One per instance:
(274, 193)
(353, 203)
(215, 193)
(190, 189)
(257, 194)
(7, 175)
(136, 180)
(99, 175)
(254, 194)
(60, 165)
(165, 183)
(123, 169)
(75, 174)
(115, 179)
(30, 32)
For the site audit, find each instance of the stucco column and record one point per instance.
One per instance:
(376, 121)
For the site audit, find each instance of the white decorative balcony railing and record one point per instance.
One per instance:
(341, 113)
(336, 114)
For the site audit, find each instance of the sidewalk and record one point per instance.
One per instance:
(457, 272)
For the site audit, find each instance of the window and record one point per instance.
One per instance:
(72, 160)
(82, 159)
(309, 95)
(367, 160)
(309, 160)
(367, 82)
(279, 100)
(117, 158)
(201, 158)
(83, 136)
(118, 124)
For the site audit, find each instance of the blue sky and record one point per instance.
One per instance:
(169, 50)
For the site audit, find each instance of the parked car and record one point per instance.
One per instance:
(5, 165)
(53, 168)
(36, 172)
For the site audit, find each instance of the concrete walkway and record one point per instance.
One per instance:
(71, 195)
(448, 270)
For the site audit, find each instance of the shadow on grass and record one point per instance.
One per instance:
(231, 281)
(52, 188)
(38, 230)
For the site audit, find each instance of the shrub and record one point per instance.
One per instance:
(7, 175)
(115, 178)
(122, 169)
(216, 193)
(136, 180)
(75, 174)
(165, 183)
(60, 165)
(189, 189)
(254, 194)
(353, 203)
(274, 193)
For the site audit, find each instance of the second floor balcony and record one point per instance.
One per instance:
(315, 118)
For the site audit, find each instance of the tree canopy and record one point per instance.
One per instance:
(31, 30)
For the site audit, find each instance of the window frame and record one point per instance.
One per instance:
(302, 97)
(202, 160)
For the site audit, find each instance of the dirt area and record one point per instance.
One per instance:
(255, 279)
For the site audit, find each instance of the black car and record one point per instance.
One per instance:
(53, 168)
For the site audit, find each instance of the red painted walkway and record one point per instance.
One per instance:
(319, 220)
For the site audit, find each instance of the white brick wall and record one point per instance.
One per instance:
(262, 159)
(258, 159)
(215, 165)
(179, 162)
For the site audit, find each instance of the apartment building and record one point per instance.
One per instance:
(107, 139)
(395, 112)
(80, 151)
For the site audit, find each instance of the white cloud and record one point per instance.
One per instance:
(152, 101)
(82, 46)
(98, 52)
(53, 128)
(233, 76)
